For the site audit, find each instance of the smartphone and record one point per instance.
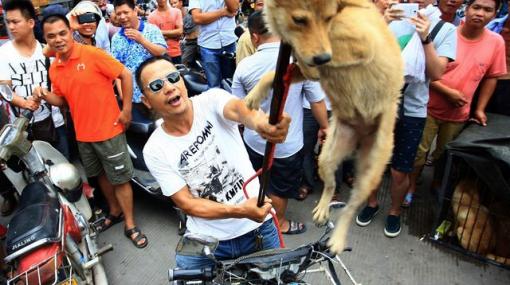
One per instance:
(410, 9)
(86, 18)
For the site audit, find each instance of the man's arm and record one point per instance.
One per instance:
(457, 98)
(487, 87)
(236, 110)
(204, 18)
(172, 34)
(50, 97)
(435, 65)
(126, 83)
(320, 113)
(203, 208)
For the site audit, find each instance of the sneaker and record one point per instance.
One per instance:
(392, 227)
(367, 214)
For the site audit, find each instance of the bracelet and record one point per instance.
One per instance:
(427, 40)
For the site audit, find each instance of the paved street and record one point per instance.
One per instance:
(375, 259)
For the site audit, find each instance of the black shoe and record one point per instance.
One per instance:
(367, 214)
(392, 227)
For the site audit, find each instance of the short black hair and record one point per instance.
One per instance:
(24, 6)
(130, 3)
(498, 4)
(53, 18)
(256, 23)
(143, 65)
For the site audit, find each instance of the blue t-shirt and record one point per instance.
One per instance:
(132, 54)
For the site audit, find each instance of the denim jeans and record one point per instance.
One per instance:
(234, 248)
(216, 66)
(62, 144)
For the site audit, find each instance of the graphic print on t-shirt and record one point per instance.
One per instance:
(27, 75)
(207, 172)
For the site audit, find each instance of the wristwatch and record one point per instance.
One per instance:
(427, 40)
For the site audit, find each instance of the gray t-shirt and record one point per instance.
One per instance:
(416, 95)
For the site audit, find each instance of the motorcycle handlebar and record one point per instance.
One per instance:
(203, 274)
(27, 114)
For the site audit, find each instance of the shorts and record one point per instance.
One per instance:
(408, 132)
(110, 156)
(286, 173)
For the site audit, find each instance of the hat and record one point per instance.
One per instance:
(89, 7)
(54, 9)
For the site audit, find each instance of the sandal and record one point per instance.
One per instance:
(303, 192)
(407, 201)
(103, 226)
(137, 238)
(295, 228)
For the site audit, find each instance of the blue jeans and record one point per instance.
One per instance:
(233, 248)
(216, 66)
(62, 144)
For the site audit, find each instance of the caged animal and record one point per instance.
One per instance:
(347, 46)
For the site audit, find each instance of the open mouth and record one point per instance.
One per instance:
(175, 101)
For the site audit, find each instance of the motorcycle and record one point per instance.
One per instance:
(49, 239)
(272, 266)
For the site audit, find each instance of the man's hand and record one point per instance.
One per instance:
(31, 104)
(227, 13)
(321, 135)
(273, 133)
(458, 99)
(422, 24)
(124, 119)
(393, 14)
(135, 35)
(479, 117)
(254, 213)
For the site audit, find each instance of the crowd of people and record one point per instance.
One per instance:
(89, 58)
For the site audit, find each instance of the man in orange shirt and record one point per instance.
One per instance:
(82, 77)
(169, 21)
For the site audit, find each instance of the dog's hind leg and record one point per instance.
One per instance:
(340, 142)
(373, 155)
(260, 91)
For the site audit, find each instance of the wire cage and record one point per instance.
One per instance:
(473, 218)
(56, 269)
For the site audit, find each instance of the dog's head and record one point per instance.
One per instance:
(305, 25)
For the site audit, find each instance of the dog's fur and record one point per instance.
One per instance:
(362, 80)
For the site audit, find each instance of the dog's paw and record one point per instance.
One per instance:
(336, 242)
(321, 214)
(252, 102)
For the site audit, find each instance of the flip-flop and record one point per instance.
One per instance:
(295, 228)
(135, 240)
(113, 221)
(303, 191)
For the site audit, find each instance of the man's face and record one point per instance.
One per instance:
(259, 5)
(422, 3)
(18, 25)
(126, 16)
(172, 99)
(87, 29)
(161, 3)
(449, 6)
(480, 13)
(58, 36)
(176, 4)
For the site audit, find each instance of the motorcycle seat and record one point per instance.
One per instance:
(38, 221)
(141, 124)
(195, 83)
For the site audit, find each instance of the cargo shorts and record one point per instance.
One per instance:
(110, 156)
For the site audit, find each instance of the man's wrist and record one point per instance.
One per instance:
(427, 40)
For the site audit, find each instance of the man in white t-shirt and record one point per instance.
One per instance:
(198, 157)
(23, 67)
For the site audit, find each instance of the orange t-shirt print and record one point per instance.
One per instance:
(85, 81)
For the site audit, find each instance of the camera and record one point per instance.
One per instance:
(87, 18)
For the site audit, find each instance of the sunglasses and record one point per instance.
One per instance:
(157, 84)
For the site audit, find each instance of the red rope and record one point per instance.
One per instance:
(287, 80)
